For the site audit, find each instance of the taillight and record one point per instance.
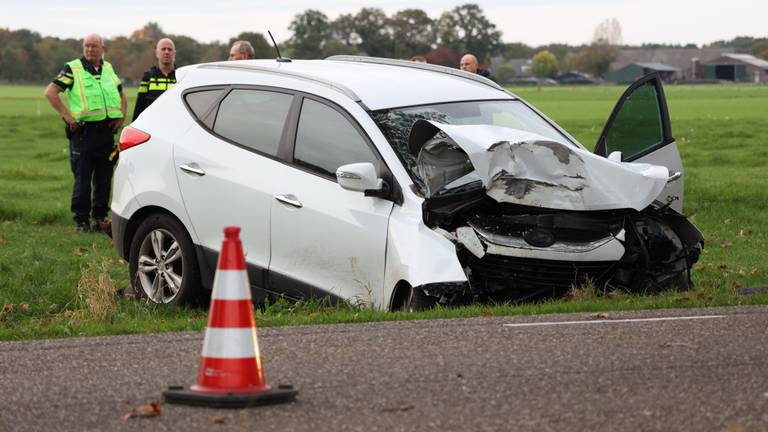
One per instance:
(132, 137)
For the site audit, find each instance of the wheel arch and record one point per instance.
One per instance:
(399, 295)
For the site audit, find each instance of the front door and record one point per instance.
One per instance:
(327, 241)
(639, 129)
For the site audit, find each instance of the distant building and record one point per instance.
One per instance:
(633, 71)
(521, 66)
(683, 59)
(735, 67)
(575, 78)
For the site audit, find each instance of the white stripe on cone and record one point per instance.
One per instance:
(230, 343)
(231, 285)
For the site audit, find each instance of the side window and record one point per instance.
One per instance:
(638, 123)
(200, 102)
(253, 118)
(326, 140)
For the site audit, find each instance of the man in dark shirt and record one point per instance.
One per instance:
(158, 79)
(94, 112)
(469, 63)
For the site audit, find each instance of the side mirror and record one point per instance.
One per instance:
(615, 156)
(359, 177)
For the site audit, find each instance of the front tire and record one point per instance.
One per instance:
(162, 263)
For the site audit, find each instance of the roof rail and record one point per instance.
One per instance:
(416, 65)
(277, 71)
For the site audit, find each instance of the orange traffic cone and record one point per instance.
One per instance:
(230, 374)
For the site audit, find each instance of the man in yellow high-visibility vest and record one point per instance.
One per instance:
(94, 112)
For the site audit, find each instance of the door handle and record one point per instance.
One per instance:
(674, 176)
(192, 168)
(290, 200)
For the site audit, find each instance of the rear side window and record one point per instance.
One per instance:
(253, 118)
(200, 102)
(326, 140)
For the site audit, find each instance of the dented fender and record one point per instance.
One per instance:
(418, 254)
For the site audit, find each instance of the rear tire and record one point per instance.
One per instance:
(162, 264)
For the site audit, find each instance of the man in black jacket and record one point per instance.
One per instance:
(158, 79)
(469, 63)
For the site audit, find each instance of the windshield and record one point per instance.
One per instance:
(396, 123)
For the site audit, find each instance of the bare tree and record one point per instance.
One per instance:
(608, 32)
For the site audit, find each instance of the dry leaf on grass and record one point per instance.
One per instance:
(24, 307)
(2, 239)
(7, 222)
(485, 313)
(735, 285)
(151, 409)
(726, 244)
(79, 251)
(727, 221)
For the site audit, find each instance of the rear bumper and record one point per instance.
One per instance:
(119, 225)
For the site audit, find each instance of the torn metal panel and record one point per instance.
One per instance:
(524, 168)
(469, 239)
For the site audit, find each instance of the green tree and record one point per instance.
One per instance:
(412, 33)
(311, 30)
(261, 47)
(516, 50)
(343, 29)
(505, 73)
(596, 59)
(372, 26)
(466, 29)
(544, 64)
(187, 50)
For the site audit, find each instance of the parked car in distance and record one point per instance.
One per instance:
(395, 184)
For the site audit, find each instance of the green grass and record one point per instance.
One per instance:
(721, 132)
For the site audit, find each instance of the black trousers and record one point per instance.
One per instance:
(89, 149)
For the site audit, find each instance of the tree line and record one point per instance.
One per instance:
(26, 56)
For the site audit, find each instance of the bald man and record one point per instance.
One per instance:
(469, 63)
(94, 111)
(159, 78)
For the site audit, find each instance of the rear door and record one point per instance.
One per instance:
(226, 169)
(639, 128)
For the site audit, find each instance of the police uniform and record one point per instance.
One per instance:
(93, 97)
(153, 84)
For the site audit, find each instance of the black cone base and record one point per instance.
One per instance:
(178, 395)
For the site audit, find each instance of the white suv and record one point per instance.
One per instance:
(396, 184)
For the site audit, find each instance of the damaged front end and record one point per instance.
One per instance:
(532, 217)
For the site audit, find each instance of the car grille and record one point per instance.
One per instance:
(521, 276)
(565, 228)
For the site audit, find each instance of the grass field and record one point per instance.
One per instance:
(55, 283)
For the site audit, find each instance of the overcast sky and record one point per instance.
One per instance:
(534, 22)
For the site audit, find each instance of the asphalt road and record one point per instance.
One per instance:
(707, 372)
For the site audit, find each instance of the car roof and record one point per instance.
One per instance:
(375, 83)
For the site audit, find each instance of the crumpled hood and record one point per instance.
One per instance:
(525, 168)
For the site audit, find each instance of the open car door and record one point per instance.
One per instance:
(639, 129)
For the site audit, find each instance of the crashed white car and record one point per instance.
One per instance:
(395, 184)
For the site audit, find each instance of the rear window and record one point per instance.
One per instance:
(253, 118)
(200, 102)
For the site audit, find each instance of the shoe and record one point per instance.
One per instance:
(101, 225)
(83, 227)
